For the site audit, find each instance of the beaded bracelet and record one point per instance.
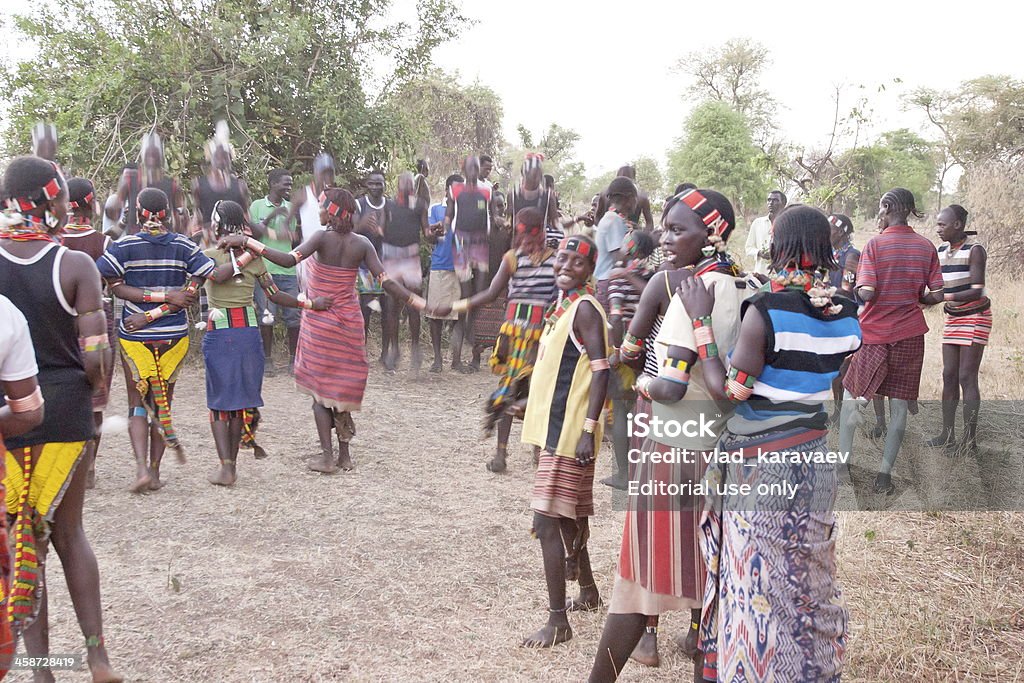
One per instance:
(599, 364)
(704, 335)
(151, 297)
(460, 306)
(96, 342)
(297, 255)
(739, 386)
(245, 259)
(589, 425)
(631, 347)
(675, 370)
(156, 313)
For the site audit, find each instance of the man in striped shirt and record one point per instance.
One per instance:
(157, 274)
(898, 271)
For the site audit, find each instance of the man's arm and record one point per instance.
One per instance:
(588, 326)
(81, 284)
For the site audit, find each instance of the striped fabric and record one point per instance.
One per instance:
(661, 535)
(900, 265)
(533, 280)
(956, 269)
(223, 318)
(160, 263)
(964, 330)
(805, 349)
(562, 487)
(330, 363)
(623, 297)
(560, 387)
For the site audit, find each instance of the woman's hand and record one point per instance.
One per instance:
(233, 241)
(135, 322)
(181, 298)
(697, 299)
(442, 310)
(322, 303)
(585, 450)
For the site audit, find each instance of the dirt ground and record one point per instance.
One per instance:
(418, 566)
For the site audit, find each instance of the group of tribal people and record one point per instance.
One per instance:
(656, 320)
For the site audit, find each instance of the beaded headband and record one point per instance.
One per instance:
(147, 214)
(49, 191)
(330, 207)
(86, 201)
(581, 247)
(700, 205)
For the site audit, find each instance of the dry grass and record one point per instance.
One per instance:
(418, 566)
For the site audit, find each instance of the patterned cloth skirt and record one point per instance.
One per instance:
(513, 358)
(965, 330)
(892, 370)
(773, 610)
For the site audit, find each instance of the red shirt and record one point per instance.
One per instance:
(901, 266)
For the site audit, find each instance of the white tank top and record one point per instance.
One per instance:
(309, 215)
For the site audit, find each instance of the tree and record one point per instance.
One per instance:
(994, 192)
(982, 120)
(558, 145)
(732, 74)
(717, 151)
(291, 77)
(899, 158)
(448, 121)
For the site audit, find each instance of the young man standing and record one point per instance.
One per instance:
(372, 215)
(443, 289)
(271, 214)
(898, 270)
(611, 233)
(759, 239)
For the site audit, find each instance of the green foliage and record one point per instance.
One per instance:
(900, 158)
(558, 145)
(291, 77)
(994, 194)
(716, 151)
(448, 122)
(732, 74)
(649, 179)
(982, 120)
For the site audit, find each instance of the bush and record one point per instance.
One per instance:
(995, 199)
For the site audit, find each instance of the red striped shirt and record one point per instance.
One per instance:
(901, 266)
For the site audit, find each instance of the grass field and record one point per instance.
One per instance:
(418, 566)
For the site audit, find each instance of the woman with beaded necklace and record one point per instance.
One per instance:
(660, 567)
(773, 610)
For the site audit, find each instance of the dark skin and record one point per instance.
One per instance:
(337, 246)
(775, 202)
(888, 216)
(147, 442)
(846, 285)
(369, 224)
(227, 434)
(322, 179)
(479, 281)
(434, 235)
(80, 283)
(498, 286)
(623, 204)
(683, 236)
(219, 176)
(280, 192)
(960, 364)
(393, 312)
(572, 271)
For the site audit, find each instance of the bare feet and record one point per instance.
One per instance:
(345, 458)
(179, 453)
(436, 367)
(142, 481)
(498, 463)
(258, 452)
(323, 464)
(102, 671)
(646, 651)
(615, 482)
(589, 600)
(226, 475)
(155, 483)
(549, 635)
(687, 643)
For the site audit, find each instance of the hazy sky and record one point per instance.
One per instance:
(606, 69)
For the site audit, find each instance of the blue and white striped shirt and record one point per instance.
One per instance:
(160, 263)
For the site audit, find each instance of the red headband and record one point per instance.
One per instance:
(581, 247)
(86, 201)
(700, 205)
(147, 214)
(523, 229)
(50, 191)
(332, 208)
